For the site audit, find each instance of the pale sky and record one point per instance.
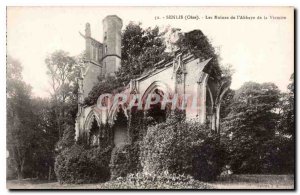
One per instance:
(259, 50)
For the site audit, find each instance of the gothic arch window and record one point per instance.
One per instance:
(92, 131)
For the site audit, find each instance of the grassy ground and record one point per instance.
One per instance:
(255, 182)
(231, 182)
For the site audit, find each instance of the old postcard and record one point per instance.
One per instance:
(150, 98)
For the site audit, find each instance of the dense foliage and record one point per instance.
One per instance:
(197, 43)
(105, 85)
(226, 104)
(287, 112)
(79, 165)
(155, 181)
(62, 74)
(182, 148)
(250, 130)
(29, 143)
(141, 50)
(124, 160)
(63, 100)
(286, 129)
(35, 125)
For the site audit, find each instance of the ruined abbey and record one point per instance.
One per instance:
(182, 75)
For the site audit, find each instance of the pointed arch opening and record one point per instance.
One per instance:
(120, 128)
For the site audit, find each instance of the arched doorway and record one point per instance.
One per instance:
(94, 134)
(120, 126)
(91, 136)
(156, 112)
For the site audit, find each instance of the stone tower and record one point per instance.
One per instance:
(112, 26)
(92, 69)
(101, 59)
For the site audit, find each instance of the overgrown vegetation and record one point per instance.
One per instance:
(124, 160)
(79, 165)
(155, 181)
(253, 133)
(182, 147)
(142, 49)
(30, 137)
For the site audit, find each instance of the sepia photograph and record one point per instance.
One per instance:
(150, 98)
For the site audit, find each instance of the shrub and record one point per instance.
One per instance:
(79, 165)
(124, 160)
(154, 181)
(182, 148)
(67, 140)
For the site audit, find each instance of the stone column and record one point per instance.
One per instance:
(202, 84)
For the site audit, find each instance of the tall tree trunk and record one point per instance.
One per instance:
(19, 175)
(49, 177)
(20, 170)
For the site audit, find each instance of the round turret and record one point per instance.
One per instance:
(112, 26)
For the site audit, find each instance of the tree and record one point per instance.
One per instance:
(62, 73)
(249, 128)
(45, 154)
(21, 126)
(60, 111)
(285, 139)
(226, 103)
(227, 100)
(141, 50)
(198, 44)
(71, 108)
(287, 113)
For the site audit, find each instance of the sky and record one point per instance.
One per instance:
(260, 50)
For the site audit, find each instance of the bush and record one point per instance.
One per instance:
(124, 160)
(151, 181)
(182, 148)
(79, 165)
(278, 157)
